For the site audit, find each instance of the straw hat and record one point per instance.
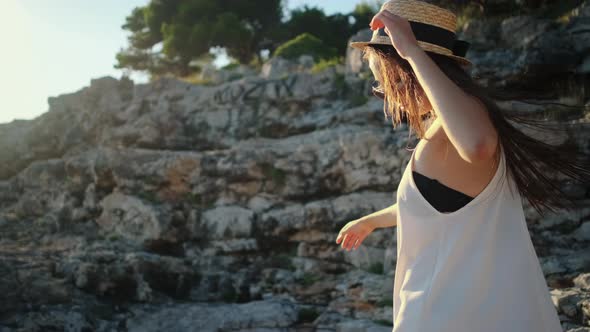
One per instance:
(433, 26)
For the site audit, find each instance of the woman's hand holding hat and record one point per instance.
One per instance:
(403, 38)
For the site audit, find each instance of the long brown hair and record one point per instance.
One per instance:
(529, 160)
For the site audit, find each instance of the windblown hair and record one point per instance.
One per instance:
(530, 161)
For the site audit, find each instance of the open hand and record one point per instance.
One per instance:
(353, 233)
(399, 31)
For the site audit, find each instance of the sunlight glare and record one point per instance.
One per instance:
(15, 60)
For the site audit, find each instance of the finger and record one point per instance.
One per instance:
(376, 23)
(346, 243)
(382, 16)
(339, 238)
(351, 242)
(344, 239)
(342, 232)
(388, 19)
(354, 243)
(359, 241)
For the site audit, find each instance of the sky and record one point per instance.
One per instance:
(53, 47)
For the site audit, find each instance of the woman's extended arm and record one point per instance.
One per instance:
(464, 118)
(386, 217)
(354, 232)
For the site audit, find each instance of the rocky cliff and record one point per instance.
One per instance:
(171, 206)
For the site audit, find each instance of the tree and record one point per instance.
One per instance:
(363, 13)
(187, 29)
(306, 43)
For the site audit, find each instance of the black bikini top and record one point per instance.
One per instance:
(441, 197)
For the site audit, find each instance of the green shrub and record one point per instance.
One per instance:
(326, 63)
(343, 90)
(230, 66)
(234, 76)
(277, 175)
(385, 302)
(358, 100)
(114, 237)
(308, 314)
(283, 261)
(229, 295)
(467, 14)
(149, 196)
(196, 79)
(308, 279)
(376, 268)
(305, 43)
(561, 11)
(340, 85)
(383, 322)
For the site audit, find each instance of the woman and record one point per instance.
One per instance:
(465, 260)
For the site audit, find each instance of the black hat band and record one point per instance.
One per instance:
(435, 35)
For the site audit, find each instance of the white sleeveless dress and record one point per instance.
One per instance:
(474, 269)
